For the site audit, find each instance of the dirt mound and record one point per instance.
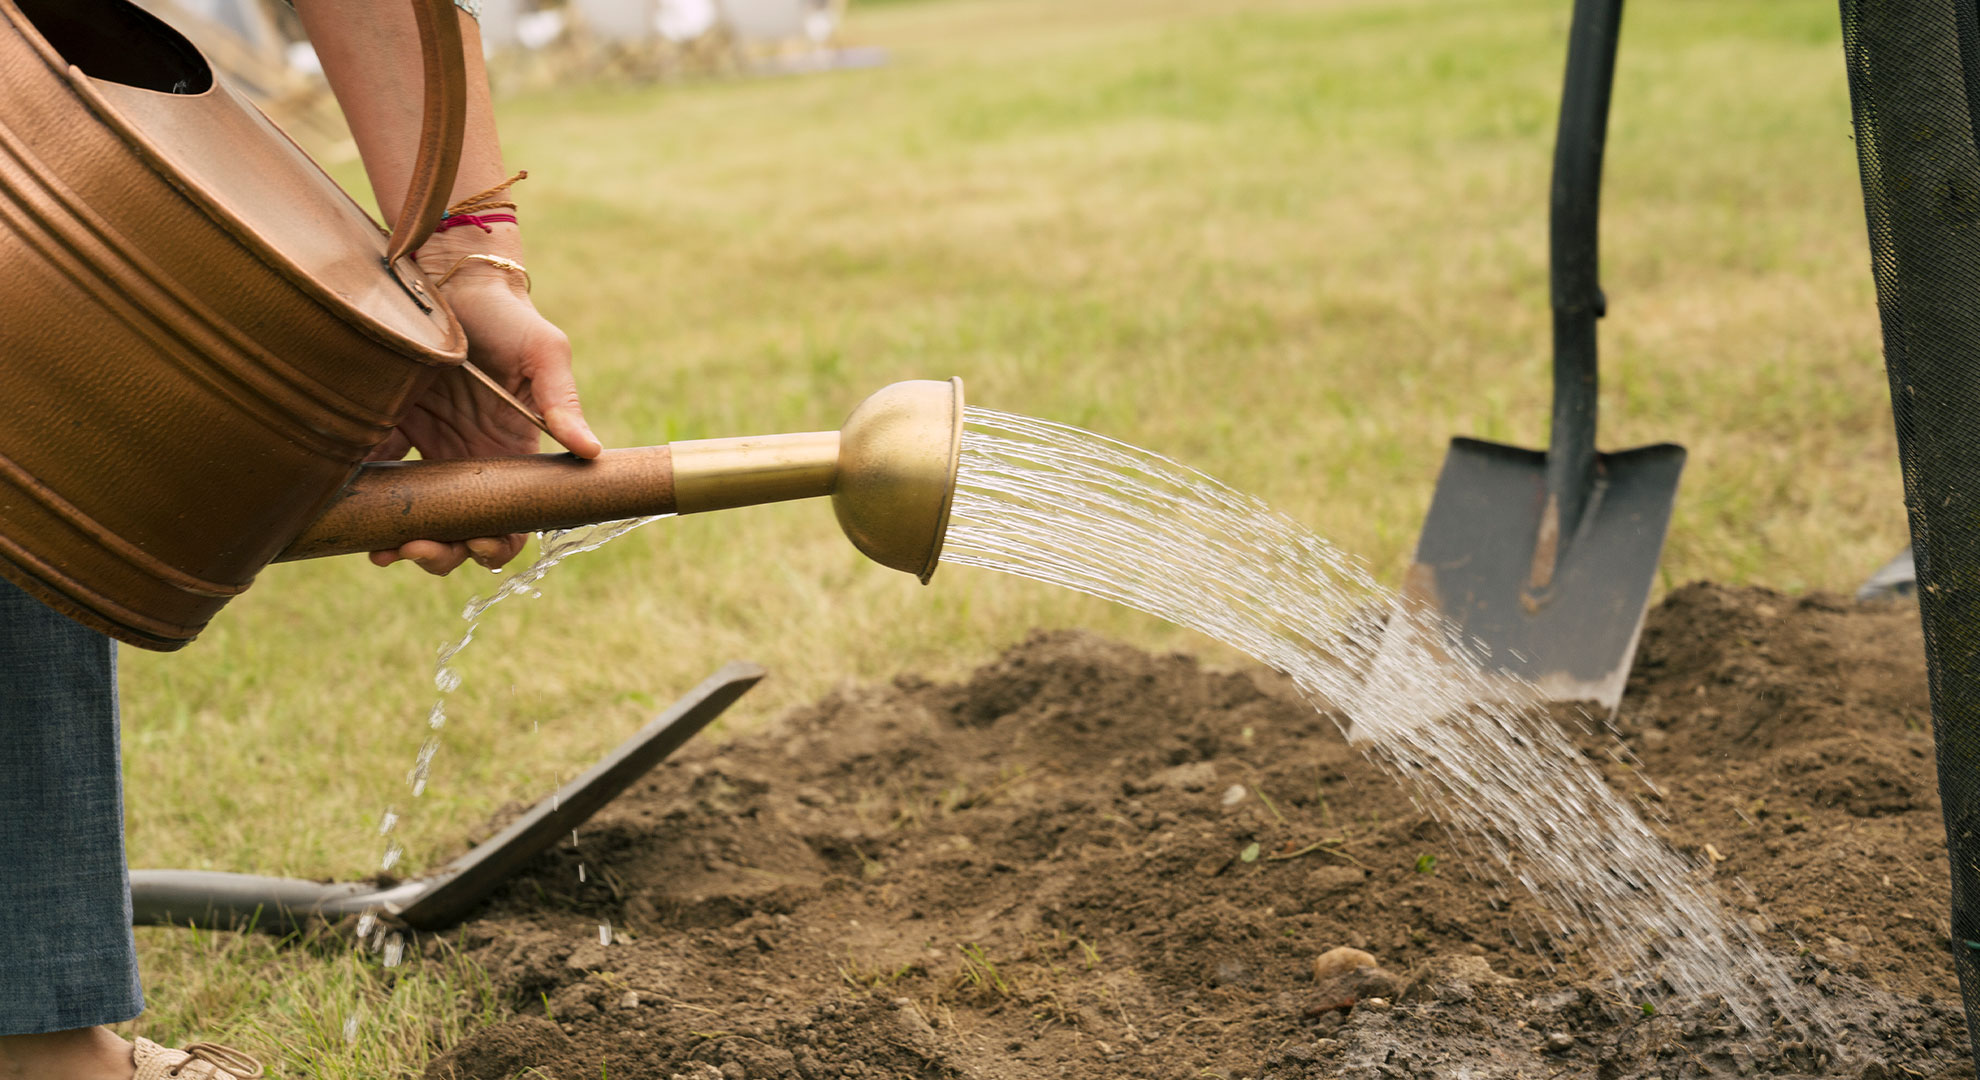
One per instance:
(1087, 861)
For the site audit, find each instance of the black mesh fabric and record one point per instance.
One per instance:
(1913, 90)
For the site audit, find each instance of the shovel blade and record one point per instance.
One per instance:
(1571, 633)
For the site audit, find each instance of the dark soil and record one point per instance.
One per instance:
(1091, 862)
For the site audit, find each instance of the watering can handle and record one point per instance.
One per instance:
(438, 161)
(441, 132)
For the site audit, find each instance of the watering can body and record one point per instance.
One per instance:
(203, 336)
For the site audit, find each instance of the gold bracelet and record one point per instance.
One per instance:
(496, 261)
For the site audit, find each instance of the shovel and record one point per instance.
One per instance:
(1544, 561)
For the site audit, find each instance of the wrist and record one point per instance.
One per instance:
(500, 238)
(470, 257)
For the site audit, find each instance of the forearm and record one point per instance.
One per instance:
(370, 55)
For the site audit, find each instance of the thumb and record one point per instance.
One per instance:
(553, 390)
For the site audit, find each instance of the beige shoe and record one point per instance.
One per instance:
(200, 1061)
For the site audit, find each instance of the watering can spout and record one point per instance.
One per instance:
(890, 472)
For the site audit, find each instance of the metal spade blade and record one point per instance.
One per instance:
(1569, 628)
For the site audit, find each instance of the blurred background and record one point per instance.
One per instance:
(261, 46)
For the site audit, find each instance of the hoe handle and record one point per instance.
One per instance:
(1574, 280)
(388, 503)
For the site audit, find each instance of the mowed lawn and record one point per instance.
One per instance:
(1298, 245)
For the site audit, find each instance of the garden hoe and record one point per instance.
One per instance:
(216, 899)
(1544, 561)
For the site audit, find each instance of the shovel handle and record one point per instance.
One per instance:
(1573, 251)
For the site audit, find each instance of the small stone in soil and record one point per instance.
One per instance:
(1558, 1042)
(1336, 962)
(1344, 977)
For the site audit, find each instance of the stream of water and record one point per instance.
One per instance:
(553, 548)
(1478, 752)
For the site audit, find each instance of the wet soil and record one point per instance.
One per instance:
(1087, 861)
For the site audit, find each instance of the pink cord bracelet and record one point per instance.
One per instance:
(481, 221)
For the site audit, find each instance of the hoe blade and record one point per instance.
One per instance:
(1571, 632)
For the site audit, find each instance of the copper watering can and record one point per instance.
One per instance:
(204, 337)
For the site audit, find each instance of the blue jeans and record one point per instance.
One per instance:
(67, 959)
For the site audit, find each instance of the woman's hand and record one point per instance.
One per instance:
(370, 53)
(458, 417)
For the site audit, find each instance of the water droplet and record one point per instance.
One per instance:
(392, 853)
(423, 765)
(447, 680)
(580, 873)
(454, 647)
(605, 933)
(395, 950)
(350, 1030)
(386, 823)
(364, 924)
(437, 719)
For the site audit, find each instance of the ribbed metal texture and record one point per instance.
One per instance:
(202, 334)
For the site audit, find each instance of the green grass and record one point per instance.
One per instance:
(325, 1009)
(1296, 244)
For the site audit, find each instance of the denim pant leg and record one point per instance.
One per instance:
(67, 959)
